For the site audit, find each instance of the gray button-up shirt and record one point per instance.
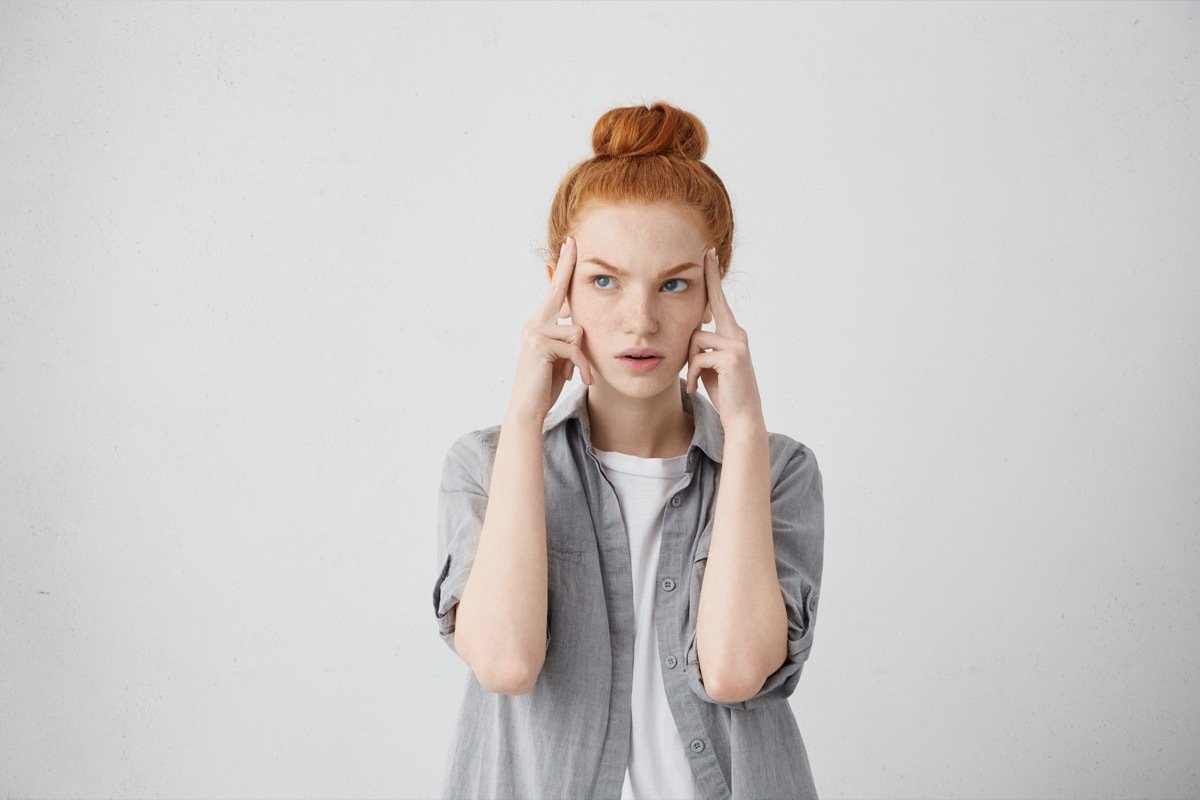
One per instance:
(569, 736)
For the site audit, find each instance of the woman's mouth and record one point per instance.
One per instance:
(640, 363)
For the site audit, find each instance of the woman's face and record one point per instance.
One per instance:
(638, 285)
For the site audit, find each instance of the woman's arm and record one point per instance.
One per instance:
(741, 622)
(501, 619)
(741, 626)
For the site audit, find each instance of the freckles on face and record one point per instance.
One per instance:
(649, 255)
(638, 283)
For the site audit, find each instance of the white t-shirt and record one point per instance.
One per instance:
(658, 767)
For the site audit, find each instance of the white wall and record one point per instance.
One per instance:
(260, 264)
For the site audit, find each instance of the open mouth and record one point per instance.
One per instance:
(640, 363)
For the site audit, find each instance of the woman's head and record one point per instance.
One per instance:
(646, 155)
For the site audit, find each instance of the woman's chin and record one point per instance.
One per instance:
(642, 386)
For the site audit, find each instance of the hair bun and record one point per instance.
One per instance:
(660, 129)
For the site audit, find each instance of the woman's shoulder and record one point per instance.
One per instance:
(477, 440)
(789, 454)
(470, 456)
(483, 441)
(473, 453)
(783, 444)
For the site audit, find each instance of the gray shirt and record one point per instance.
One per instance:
(569, 736)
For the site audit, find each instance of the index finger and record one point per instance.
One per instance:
(559, 282)
(722, 313)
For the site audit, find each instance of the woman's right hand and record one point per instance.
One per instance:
(550, 352)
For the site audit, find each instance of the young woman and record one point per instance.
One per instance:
(632, 576)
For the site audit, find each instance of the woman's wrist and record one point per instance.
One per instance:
(522, 420)
(744, 427)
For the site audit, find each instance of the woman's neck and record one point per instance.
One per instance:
(653, 427)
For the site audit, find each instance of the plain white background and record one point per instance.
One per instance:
(261, 264)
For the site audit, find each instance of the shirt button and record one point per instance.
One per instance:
(675, 501)
(697, 745)
(672, 661)
(668, 585)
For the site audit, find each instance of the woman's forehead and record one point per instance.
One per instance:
(641, 233)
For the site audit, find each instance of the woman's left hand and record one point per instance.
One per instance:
(721, 358)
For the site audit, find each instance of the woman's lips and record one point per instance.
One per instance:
(639, 364)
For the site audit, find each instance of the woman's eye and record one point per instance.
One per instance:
(596, 281)
(680, 282)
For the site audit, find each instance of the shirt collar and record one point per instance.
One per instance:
(709, 435)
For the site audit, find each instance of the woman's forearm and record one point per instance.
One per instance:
(500, 631)
(741, 627)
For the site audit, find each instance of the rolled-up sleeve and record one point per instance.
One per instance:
(462, 503)
(798, 527)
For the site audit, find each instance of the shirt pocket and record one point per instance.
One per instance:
(560, 556)
(564, 574)
(566, 623)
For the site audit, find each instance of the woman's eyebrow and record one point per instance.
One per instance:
(672, 271)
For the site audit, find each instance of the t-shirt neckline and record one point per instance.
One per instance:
(672, 467)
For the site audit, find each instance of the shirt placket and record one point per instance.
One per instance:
(681, 522)
(615, 561)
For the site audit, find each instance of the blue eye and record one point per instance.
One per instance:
(596, 281)
(676, 280)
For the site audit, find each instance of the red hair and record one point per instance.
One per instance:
(646, 154)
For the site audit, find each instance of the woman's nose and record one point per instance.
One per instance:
(640, 317)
